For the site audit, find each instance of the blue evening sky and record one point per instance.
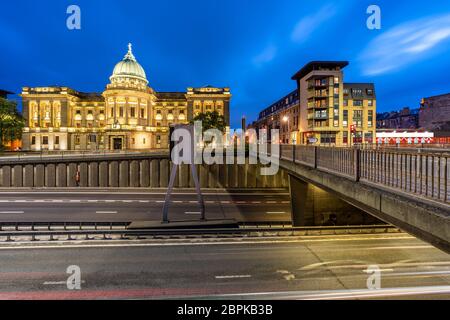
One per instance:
(252, 46)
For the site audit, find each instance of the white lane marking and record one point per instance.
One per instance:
(241, 202)
(275, 212)
(342, 294)
(285, 202)
(190, 212)
(193, 201)
(57, 283)
(144, 201)
(105, 212)
(60, 201)
(126, 201)
(178, 202)
(110, 201)
(225, 202)
(183, 244)
(92, 200)
(20, 201)
(75, 201)
(271, 202)
(256, 202)
(11, 212)
(234, 276)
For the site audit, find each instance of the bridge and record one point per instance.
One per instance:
(406, 188)
(409, 189)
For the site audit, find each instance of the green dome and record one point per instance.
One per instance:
(129, 68)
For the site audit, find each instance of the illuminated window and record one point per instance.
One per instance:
(370, 118)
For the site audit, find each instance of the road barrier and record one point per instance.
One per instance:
(111, 234)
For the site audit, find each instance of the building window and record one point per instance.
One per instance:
(77, 140)
(133, 112)
(111, 114)
(158, 139)
(336, 80)
(328, 138)
(345, 138)
(45, 140)
(121, 112)
(370, 103)
(369, 92)
(357, 118)
(345, 118)
(133, 141)
(357, 92)
(142, 113)
(57, 140)
(144, 141)
(33, 140)
(357, 103)
(370, 118)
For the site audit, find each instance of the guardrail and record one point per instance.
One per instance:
(422, 173)
(69, 235)
(61, 155)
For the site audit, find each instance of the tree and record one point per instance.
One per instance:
(11, 122)
(211, 120)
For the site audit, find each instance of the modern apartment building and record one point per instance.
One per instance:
(326, 110)
(283, 115)
(129, 114)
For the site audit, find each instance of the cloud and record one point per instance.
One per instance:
(307, 25)
(405, 44)
(267, 55)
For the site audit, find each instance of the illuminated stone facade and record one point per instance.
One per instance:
(129, 114)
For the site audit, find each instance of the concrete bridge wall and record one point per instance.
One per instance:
(137, 171)
(426, 219)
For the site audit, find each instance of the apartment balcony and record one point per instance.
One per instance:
(316, 116)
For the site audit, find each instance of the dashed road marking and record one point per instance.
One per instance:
(11, 212)
(240, 276)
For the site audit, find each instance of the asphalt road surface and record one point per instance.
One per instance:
(107, 206)
(322, 267)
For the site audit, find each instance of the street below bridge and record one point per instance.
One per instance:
(138, 205)
(310, 267)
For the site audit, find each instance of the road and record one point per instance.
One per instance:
(107, 206)
(308, 268)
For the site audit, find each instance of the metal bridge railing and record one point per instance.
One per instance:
(421, 173)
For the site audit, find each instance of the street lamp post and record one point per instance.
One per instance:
(286, 120)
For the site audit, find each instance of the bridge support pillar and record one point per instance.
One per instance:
(302, 202)
(312, 206)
